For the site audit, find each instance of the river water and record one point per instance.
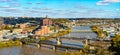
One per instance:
(89, 35)
(26, 50)
(30, 50)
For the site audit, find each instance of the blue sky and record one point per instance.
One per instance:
(61, 8)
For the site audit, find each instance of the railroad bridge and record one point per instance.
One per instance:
(86, 31)
(58, 45)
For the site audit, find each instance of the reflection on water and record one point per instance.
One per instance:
(90, 35)
(25, 50)
(82, 28)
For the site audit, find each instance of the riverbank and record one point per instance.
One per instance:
(101, 33)
(72, 53)
(61, 32)
(9, 43)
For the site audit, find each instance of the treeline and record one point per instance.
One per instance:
(9, 43)
(115, 44)
(60, 20)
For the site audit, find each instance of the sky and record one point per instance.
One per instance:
(61, 8)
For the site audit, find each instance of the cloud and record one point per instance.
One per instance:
(58, 10)
(29, 3)
(112, 0)
(117, 9)
(5, 0)
(102, 3)
(15, 3)
(36, 8)
(106, 2)
(81, 7)
(39, 3)
(5, 6)
(34, 11)
(25, 7)
(74, 12)
(97, 11)
(12, 10)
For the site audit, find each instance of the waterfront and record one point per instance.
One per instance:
(31, 50)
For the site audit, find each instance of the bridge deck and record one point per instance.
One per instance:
(61, 46)
(74, 38)
(82, 31)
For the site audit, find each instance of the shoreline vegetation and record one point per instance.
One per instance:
(61, 33)
(100, 33)
(10, 43)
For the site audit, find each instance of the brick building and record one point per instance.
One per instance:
(44, 30)
(47, 21)
(1, 21)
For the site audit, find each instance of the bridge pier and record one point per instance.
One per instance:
(21, 43)
(59, 42)
(66, 50)
(54, 48)
(87, 42)
(38, 45)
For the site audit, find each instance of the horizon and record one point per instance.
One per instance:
(61, 8)
(55, 18)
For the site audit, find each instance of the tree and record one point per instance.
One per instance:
(115, 44)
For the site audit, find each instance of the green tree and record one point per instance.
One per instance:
(115, 44)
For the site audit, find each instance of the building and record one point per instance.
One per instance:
(22, 26)
(47, 21)
(1, 22)
(17, 30)
(1, 33)
(44, 30)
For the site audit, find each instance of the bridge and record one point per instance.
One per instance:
(58, 45)
(81, 39)
(54, 46)
(82, 31)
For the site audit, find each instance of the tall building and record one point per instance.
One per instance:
(47, 21)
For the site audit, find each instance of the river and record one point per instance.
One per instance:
(89, 35)
(30, 50)
(26, 50)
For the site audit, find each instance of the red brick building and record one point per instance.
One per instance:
(43, 31)
(1, 22)
(47, 21)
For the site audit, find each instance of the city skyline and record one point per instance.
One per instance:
(61, 8)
